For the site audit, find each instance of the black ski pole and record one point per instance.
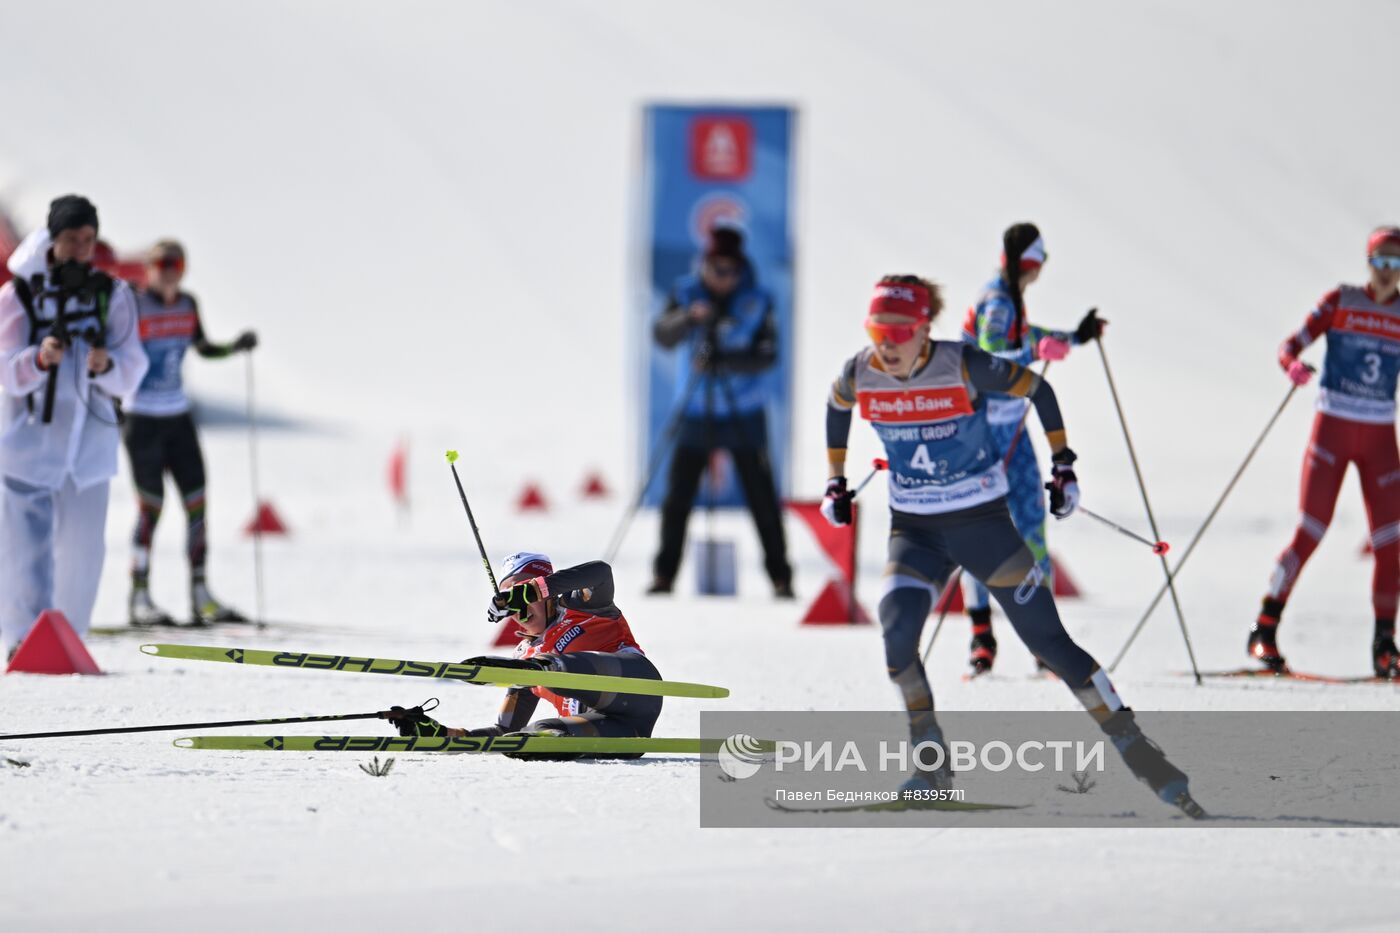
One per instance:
(663, 446)
(1158, 547)
(59, 330)
(126, 730)
(259, 618)
(876, 465)
(471, 520)
(1147, 505)
(1200, 532)
(708, 484)
(955, 578)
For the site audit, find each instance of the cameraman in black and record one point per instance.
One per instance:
(68, 352)
(721, 320)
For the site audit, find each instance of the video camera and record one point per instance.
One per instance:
(70, 280)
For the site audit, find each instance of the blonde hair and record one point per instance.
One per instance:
(163, 248)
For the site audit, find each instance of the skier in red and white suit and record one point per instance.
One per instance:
(1355, 423)
(568, 622)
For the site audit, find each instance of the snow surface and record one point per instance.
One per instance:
(423, 209)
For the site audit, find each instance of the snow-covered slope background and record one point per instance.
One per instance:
(424, 209)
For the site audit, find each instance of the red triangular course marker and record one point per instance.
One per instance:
(1064, 583)
(52, 647)
(531, 499)
(834, 606)
(594, 487)
(266, 521)
(951, 600)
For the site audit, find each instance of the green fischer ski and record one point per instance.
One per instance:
(448, 670)
(499, 744)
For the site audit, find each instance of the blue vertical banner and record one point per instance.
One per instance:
(705, 167)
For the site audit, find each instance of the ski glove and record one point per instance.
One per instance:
(1052, 349)
(516, 600)
(1090, 327)
(414, 722)
(496, 613)
(1299, 372)
(836, 506)
(246, 341)
(1063, 485)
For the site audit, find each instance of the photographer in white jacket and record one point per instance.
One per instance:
(68, 351)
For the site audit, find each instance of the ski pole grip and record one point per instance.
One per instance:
(50, 388)
(880, 463)
(1161, 547)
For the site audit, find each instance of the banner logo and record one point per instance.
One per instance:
(721, 148)
(716, 208)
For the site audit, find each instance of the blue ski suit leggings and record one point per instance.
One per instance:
(923, 549)
(1026, 501)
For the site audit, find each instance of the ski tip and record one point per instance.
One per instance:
(185, 742)
(150, 649)
(452, 456)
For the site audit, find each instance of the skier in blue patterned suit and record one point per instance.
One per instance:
(997, 324)
(927, 401)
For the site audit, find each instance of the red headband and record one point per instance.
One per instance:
(1381, 236)
(911, 301)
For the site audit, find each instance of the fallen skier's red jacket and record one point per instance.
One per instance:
(579, 630)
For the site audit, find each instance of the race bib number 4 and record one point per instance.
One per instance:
(923, 404)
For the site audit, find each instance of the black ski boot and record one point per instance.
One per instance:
(1149, 764)
(984, 644)
(1263, 638)
(1384, 657)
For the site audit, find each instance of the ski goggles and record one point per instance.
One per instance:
(891, 333)
(1385, 262)
(170, 263)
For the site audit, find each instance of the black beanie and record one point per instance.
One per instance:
(727, 242)
(1016, 240)
(70, 212)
